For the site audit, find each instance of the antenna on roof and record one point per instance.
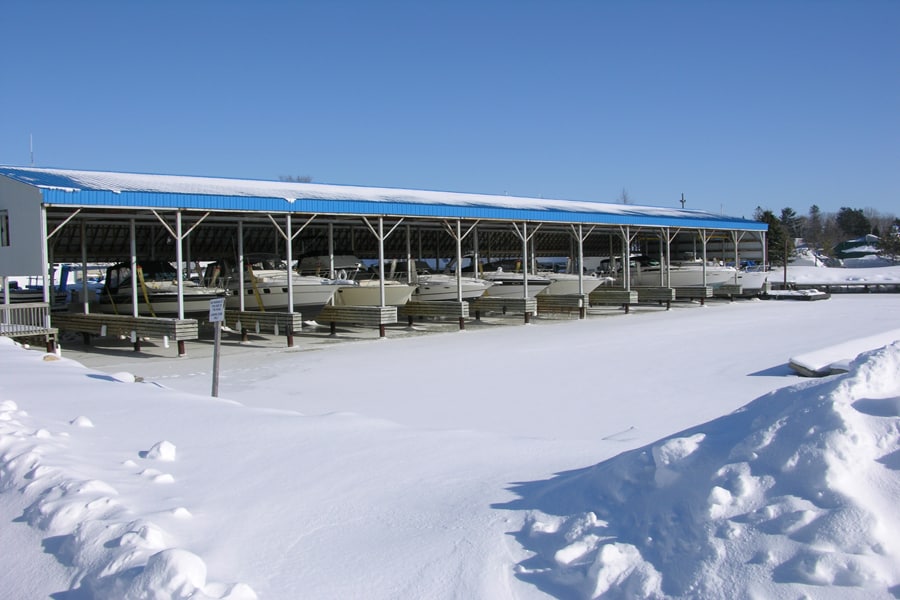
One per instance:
(31, 147)
(682, 200)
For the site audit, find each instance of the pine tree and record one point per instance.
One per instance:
(889, 245)
(779, 244)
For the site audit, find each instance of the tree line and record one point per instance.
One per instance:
(823, 231)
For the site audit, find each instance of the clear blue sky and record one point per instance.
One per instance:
(734, 104)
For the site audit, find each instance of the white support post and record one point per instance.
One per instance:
(179, 257)
(241, 267)
(134, 275)
(459, 296)
(84, 272)
(290, 270)
(381, 260)
(331, 250)
(524, 259)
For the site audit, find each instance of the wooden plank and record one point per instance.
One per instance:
(563, 303)
(527, 306)
(448, 309)
(278, 323)
(434, 309)
(693, 292)
(361, 315)
(616, 296)
(177, 330)
(656, 294)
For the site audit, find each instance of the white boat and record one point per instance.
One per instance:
(157, 291)
(567, 283)
(440, 286)
(33, 293)
(509, 284)
(754, 280)
(646, 272)
(265, 285)
(354, 288)
(367, 292)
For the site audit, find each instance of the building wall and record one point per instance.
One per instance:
(20, 246)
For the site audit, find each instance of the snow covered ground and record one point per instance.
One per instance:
(656, 454)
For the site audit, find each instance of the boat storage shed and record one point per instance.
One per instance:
(50, 216)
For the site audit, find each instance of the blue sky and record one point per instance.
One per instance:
(733, 104)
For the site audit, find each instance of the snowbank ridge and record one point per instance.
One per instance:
(737, 507)
(112, 554)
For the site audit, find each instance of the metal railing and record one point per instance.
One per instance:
(25, 318)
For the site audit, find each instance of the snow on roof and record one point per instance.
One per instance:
(72, 180)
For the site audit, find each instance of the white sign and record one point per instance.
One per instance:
(217, 310)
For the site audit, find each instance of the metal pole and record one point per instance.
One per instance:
(580, 260)
(410, 266)
(475, 258)
(178, 259)
(241, 265)
(215, 373)
(134, 276)
(458, 261)
(84, 276)
(627, 259)
(525, 259)
(331, 250)
(381, 260)
(664, 233)
(703, 247)
(290, 268)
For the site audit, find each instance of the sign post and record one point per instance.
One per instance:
(216, 316)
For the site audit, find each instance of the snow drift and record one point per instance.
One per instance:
(792, 494)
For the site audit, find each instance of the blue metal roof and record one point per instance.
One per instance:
(108, 189)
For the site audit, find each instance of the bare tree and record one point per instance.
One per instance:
(296, 178)
(881, 222)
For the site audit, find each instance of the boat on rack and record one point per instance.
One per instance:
(510, 284)
(265, 285)
(441, 286)
(567, 283)
(31, 289)
(649, 272)
(504, 283)
(33, 293)
(356, 285)
(157, 291)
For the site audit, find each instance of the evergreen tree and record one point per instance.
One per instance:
(852, 222)
(815, 227)
(889, 245)
(793, 223)
(779, 244)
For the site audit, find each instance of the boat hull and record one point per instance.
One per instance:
(561, 286)
(370, 295)
(275, 297)
(515, 288)
(684, 277)
(434, 289)
(161, 304)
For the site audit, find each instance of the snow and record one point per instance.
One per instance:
(291, 191)
(656, 454)
(855, 275)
